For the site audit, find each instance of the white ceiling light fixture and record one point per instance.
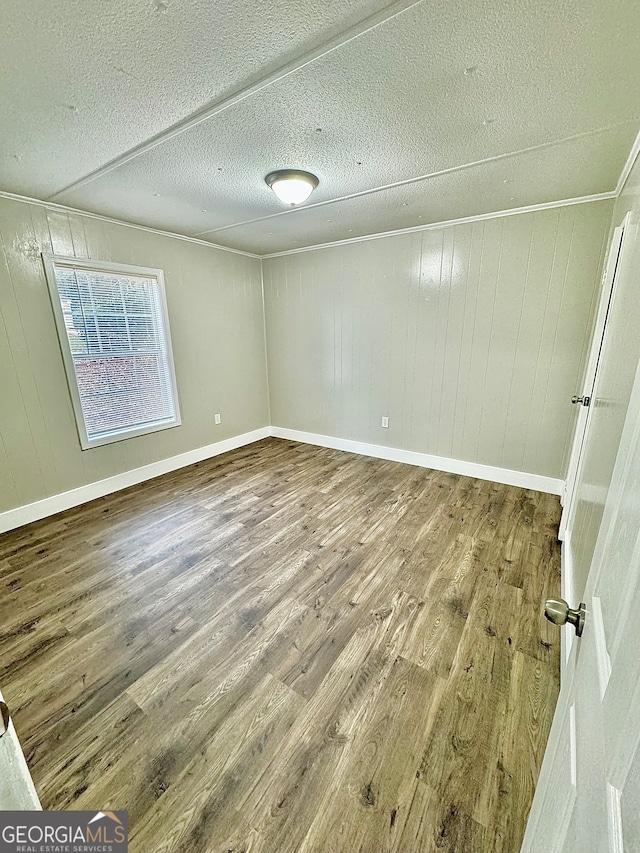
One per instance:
(291, 185)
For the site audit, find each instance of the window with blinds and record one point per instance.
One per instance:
(114, 335)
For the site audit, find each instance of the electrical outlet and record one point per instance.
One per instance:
(218, 419)
(385, 422)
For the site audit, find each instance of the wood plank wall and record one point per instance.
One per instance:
(217, 327)
(471, 339)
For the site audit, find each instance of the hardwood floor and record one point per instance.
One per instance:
(289, 649)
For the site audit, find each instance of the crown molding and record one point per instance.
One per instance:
(631, 159)
(50, 205)
(433, 226)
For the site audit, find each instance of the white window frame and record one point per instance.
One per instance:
(87, 443)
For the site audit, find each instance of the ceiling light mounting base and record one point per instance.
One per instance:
(292, 186)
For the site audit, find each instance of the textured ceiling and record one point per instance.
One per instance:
(169, 113)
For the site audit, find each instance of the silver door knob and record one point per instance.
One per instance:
(558, 611)
(584, 400)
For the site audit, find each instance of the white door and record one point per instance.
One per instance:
(16, 788)
(587, 393)
(588, 794)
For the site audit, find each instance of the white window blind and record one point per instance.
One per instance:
(114, 332)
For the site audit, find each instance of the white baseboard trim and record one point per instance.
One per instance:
(426, 460)
(21, 515)
(65, 500)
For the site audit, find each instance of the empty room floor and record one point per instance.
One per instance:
(291, 649)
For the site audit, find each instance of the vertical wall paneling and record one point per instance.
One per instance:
(55, 399)
(215, 310)
(469, 286)
(470, 337)
(481, 407)
(510, 287)
(26, 437)
(60, 232)
(530, 368)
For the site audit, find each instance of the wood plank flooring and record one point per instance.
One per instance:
(288, 649)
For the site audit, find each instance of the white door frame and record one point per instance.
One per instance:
(594, 743)
(590, 378)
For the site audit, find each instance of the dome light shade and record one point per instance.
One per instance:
(291, 185)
